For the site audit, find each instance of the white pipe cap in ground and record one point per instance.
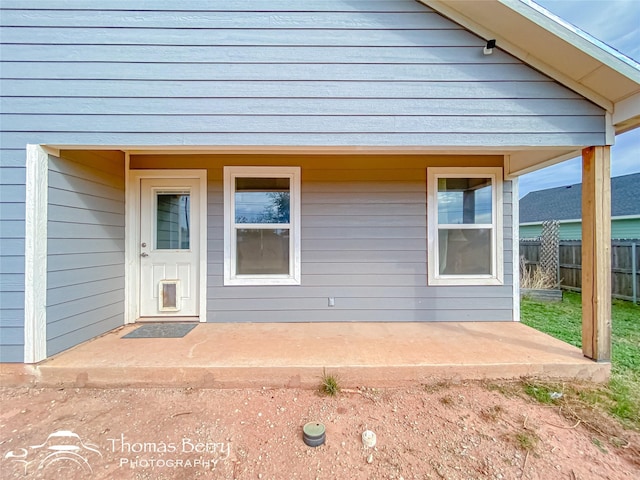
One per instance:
(369, 439)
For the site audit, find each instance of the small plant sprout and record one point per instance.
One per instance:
(527, 440)
(330, 384)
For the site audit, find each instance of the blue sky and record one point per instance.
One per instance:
(616, 23)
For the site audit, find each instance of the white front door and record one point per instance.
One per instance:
(169, 247)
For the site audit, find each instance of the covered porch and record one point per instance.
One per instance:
(275, 355)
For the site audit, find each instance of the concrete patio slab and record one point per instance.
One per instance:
(294, 355)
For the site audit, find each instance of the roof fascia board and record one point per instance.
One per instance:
(577, 37)
(455, 15)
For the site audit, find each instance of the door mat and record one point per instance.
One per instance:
(161, 330)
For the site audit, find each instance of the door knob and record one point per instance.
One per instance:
(144, 254)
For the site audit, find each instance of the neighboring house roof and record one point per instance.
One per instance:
(565, 203)
(563, 52)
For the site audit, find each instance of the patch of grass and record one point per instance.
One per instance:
(562, 320)
(436, 386)
(542, 393)
(621, 396)
(599, 444)
(329, 384)
(527, 440)
(507, 389)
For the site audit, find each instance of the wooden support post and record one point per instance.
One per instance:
(596, 253)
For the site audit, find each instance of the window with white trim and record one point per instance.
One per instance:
(261, 225)
(465, 226)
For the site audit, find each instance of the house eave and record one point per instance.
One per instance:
(561, 51)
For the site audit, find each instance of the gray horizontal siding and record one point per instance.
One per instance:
(59, 107)
(12, 300)
(363, 315)
(11, 282)
(252, 54)
(396, 292)
(12, 228)
(241, 37)
(206, 18)
(299, 124)
(79, 331)
(12, 264)
(225, 5)
(12, 193)
(192, 79)
(382, 73)
(363, 241)
(85, 263)
(12, 353)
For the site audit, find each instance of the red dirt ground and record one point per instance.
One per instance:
(463, 431)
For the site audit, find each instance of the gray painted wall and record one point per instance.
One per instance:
(364, 242)
(12, 197)
(336, 72)
(85, 261)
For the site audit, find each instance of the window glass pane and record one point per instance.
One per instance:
(172, 221)
(262, 251)
(464, 200)
(262, 200)
(465, 251)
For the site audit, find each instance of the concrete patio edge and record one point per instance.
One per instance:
(380, 355)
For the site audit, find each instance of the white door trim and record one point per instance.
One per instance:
(132, 234)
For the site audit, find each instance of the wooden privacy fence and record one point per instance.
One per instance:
(625, 265)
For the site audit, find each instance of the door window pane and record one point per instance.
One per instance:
(172, 221)
(262, 251)
(464, 251)
(262, 200)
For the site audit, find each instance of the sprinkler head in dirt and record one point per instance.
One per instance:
(313, 434)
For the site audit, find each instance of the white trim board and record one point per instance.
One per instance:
(35, 255)
(515, 247)
(132, 240)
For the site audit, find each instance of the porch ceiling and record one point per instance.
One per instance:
(517, 161)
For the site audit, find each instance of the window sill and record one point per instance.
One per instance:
(260, 281)
(464, 281)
